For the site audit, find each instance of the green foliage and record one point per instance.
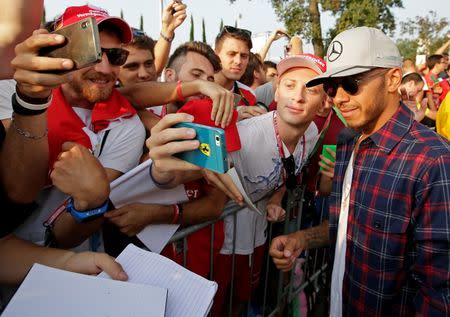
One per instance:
(203, 31)
(221, 25)
(298, 17)
(141, 23)
(191, 32)
(407, 48)
(428, 32)
(374, 13)
(121, 13)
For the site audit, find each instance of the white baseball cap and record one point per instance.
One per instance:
(359, 50)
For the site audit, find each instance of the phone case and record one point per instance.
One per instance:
(325, 152)
(212, 152)
(82, 44)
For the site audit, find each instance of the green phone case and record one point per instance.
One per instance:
(325, 152)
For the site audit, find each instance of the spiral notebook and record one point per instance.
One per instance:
(189, 294)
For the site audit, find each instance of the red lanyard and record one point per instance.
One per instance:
(280, 145)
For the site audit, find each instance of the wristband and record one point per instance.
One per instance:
(179, 92)
(177, 214)
(27, 109)
(32, 100)
(86, 215)
(154, 181)
(166, 38)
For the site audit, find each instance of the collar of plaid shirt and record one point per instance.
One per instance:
(398, 218)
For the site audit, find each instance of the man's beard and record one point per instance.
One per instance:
(90, 92)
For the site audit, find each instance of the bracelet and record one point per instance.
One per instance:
(24, 133)
(154, 181)
(27, 109)
(179, 92)
(32, 100)
(86, 215)
(166, 38)
(177, 214)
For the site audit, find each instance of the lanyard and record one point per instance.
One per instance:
(280, 145)
(316, 146)
(236, 90)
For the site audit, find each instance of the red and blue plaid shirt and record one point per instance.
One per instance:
(397, 260)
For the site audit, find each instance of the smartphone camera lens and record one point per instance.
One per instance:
(84, 25)
(217, 138)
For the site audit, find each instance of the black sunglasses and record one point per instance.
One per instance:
(289, 167)
(349, 83)
(232, 30)
(116, 56)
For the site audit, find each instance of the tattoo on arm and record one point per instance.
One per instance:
(318, 236)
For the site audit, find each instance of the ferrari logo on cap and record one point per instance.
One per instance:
(335, 51)
(205, 149)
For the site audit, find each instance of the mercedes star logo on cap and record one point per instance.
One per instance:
(335, 52)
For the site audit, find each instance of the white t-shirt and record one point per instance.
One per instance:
(265, 93)
(7, 89)
(260, 169)
(337, 278)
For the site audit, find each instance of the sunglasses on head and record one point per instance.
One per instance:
(116, 56)
(349, 83)
(137, 32)
(232, 30)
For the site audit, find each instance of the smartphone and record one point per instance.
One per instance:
(326, 154)
(211, 153)
(82, 44)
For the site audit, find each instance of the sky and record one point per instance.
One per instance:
(255, 15)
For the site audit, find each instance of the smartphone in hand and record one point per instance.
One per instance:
(211, 153)
(326, 153)
(82, 44)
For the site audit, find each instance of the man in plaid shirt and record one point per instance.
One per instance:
(389, 224)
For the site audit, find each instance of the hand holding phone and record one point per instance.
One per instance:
(211, 153)
(326, 153)
(28, 65)
(82, 44)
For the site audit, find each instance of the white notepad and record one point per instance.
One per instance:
(189, 294)
(48, 292)
(136, 186)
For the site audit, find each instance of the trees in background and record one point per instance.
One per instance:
(203, 31)
(423, 34)
(191, 32)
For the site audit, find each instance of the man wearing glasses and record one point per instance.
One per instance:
(389, 226)
(88, 110)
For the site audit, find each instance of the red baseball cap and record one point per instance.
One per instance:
(302, 60)
(78, 13)
(201, 110)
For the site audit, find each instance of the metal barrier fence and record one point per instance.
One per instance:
(315, 266)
